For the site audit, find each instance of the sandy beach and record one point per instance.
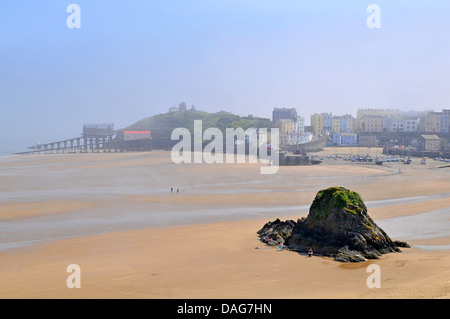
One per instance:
(115, 216)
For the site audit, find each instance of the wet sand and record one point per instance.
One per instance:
(114, 215)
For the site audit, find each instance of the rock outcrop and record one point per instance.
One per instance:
(276, 232)
(337, 225)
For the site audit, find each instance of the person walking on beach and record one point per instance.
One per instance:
(171, 189)
(310, 252)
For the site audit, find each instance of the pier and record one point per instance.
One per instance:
(96, 138)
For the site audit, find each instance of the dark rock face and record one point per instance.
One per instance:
(345, 255)
(403, 244)
(276, 232)
(337, 225)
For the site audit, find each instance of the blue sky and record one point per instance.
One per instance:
(133, 59)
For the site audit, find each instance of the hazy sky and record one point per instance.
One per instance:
(133, 59)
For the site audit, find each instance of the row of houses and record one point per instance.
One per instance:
(381, 120)
(292, 132)
(426, 122)
(426, 142)
(326, 123)
(345, 130)
(291, 126)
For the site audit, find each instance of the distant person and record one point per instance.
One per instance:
(280, 247)
(171, 189)
(178, 190)
(310, 252)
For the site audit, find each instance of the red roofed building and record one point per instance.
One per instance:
(136, 135)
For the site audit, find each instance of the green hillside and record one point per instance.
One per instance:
(162, 125)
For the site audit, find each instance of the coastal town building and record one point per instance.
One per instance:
(182, 106)
(300, 138)
(317, 123)
(335, 124)
(377, 112)
(345, 139)
(379, 123)
(286, 127)
(411, 124)
(299, 125)
(445, 121)
(379, 120)
(284, 113)
(322, 123)
(136, 135)
(397, 126)
(293, 132)
(284, 139)
(431, 143)
(327, 121)
(343, 124)
(350, 124)
(372, 123)
(432, 122)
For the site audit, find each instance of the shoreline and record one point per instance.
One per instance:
(194, 262)
(116, 218)
(391, 214)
